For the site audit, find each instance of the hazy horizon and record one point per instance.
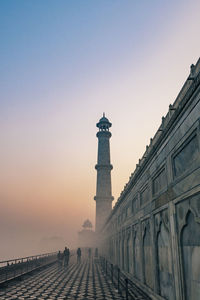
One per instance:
(62, 65)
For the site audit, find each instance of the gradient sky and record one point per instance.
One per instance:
(62, 64)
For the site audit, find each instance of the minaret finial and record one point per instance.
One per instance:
(103, 114)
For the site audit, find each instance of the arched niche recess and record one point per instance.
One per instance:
(136, 257)
(128, 251)
(147, 254)
(165, 273)
(190, 246)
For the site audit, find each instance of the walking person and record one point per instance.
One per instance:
(65, 257)
(59, 257)
(68, 256)
(78, 255)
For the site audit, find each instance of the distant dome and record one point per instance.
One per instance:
(87, 224)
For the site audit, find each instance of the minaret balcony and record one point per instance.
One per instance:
(103, 133)
(104, 167)
(102, 198)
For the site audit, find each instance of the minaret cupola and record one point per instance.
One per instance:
(104, 124)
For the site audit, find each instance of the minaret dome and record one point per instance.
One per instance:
(103, 124)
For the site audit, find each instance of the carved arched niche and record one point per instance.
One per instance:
(128, 250)
(116, 241)
(120, 249)
(137, 265)
(164, 257)
(147, 254)
(190, 246)
(123, 250)
(111, 248)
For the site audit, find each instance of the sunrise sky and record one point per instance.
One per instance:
(62, 64)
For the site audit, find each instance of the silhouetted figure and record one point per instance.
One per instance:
(96, 252)
(78, 255)
(66, 254)
(89, 252)
(59, 257)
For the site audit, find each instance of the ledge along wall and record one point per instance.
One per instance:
(153, 231)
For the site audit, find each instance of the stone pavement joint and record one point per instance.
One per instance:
(84, 281)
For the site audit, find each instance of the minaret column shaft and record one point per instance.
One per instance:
(103, 183)
(103, 188)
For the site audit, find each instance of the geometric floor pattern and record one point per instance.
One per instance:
(84, 281)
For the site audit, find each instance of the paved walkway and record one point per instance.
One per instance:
(85, 281)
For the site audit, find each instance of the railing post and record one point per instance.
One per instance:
(21, 266)
(106, 267)
(7, 271)
(118, 278)
(126, 286)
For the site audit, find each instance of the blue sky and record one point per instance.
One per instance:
(48, 45)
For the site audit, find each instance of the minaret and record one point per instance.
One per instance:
(103, 190)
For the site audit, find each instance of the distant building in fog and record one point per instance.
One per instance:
(86, 237)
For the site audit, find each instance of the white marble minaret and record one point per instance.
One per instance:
(103, 190)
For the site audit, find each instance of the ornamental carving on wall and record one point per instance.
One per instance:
(145, 224)
(162, 218)
(135, 229)
(128, 232)
(183, 208)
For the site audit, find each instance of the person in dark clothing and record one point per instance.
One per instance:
(78, 255)
(66, 254)
(59, 257)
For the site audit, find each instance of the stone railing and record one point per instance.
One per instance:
(122, 282)
(17, 267)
